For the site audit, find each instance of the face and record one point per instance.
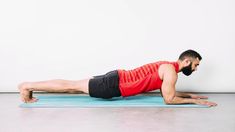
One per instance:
(191, 66)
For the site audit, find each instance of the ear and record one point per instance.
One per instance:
(187, 62)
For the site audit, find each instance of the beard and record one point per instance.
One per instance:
(187, 70)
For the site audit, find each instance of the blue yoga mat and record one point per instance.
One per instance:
(63, 101)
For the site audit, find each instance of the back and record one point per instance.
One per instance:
(141, 79)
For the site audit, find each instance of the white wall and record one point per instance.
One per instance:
(50, 39)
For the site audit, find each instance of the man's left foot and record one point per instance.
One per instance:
(25, 94)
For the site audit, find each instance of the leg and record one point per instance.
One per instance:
(58, 85)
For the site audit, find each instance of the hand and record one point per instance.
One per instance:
(204, 102)
(194, 96)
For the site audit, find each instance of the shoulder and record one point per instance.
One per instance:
(167, 70)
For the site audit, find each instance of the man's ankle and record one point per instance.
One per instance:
(25, 86)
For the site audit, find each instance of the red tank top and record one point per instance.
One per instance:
(142, 79)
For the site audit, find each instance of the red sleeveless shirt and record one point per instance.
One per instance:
(142, 79)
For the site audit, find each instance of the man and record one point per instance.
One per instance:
(158, 75)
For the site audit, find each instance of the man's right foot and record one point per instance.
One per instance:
(25, 94)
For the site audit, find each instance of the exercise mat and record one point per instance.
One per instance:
(68, 101)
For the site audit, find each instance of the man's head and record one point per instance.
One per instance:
(189, 59)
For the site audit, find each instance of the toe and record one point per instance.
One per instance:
(34, 99)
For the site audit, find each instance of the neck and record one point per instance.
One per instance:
(180, 65)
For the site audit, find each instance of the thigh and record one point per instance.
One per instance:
(83, 85)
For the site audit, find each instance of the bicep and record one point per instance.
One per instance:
(168, 85)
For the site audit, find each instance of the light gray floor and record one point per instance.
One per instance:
(218, 119)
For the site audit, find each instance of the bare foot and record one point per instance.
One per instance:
(25, 94)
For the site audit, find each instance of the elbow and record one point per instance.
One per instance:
(169, 101)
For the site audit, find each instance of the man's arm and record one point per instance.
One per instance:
(169, 93)
(190, 95)
(181, 94)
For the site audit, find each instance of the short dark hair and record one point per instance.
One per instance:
(190, 53)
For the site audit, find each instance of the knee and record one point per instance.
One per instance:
(65, 83)
(59, 82)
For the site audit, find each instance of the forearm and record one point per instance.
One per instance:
(179, 100)
(182, 94)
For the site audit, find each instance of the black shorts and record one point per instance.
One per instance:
(105, 86)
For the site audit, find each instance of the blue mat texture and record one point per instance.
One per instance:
(64, 101)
